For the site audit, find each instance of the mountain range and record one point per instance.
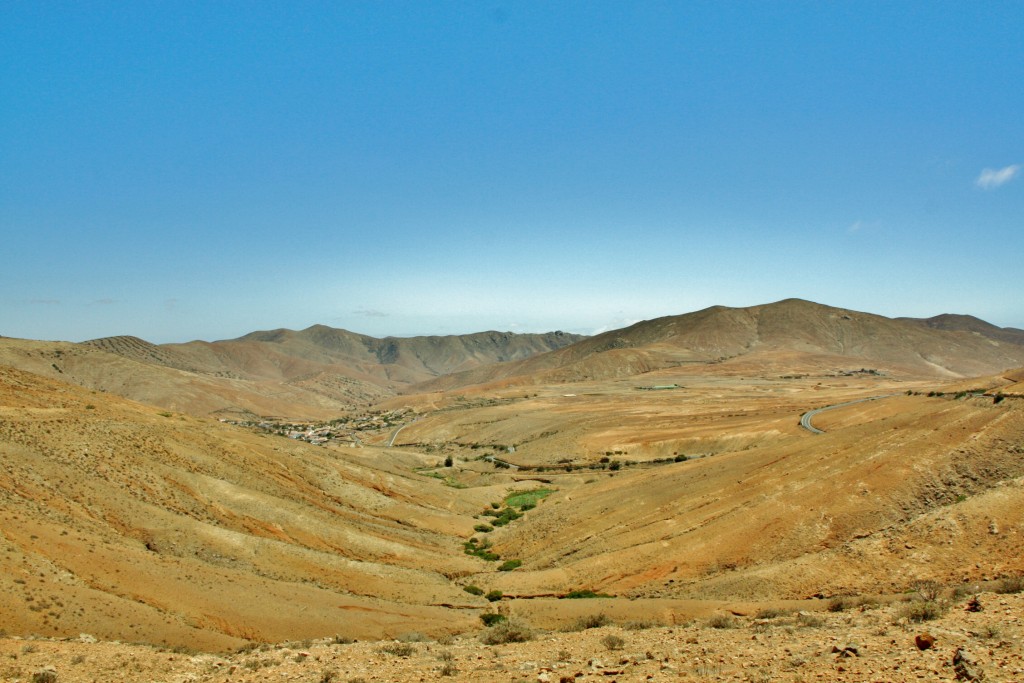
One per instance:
(319, 371)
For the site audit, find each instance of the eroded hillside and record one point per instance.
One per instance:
(132, 523)
(730, 338)
(680, 491)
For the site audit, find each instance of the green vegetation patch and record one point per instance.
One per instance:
(585, 593)
(481, 550)
(507, 515)
(530, 498)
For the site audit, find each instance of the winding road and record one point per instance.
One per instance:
(805, 419)
(391, 441)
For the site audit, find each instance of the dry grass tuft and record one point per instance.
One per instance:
(513, 631)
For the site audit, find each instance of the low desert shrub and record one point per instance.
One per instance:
(256, 664)
(585, 593)
(473, 590)
(509, 565)
(722, 620)
(491, 618)
(920, 610)
(481, 550)
(505, 516)
(493, 596)
(808, 620)
(843, 603)
(990, 632)
(707, 670)
(593, 621)
(928, 590)
(397, 649)
(513, 631)
(613, 642)
(1011, 584)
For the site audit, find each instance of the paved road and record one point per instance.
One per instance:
(805, 419)
(391, 441)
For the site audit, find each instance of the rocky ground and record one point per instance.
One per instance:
(862, 642)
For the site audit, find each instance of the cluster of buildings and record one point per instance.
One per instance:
(342, 430)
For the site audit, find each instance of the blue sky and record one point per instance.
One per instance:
(180, 170)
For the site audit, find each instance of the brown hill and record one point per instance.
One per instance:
(286, 354)
(812, 337)
(129, 523)
(968, 323)
(198, 393)
(315, 373)
(900, 490)
(143, 351)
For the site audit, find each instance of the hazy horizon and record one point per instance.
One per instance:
(196, 171)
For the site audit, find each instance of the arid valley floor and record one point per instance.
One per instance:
(644, 504)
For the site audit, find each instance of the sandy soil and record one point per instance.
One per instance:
(868, 642)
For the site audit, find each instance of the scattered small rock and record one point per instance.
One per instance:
(924, 641)
(965, 668)
(848, 650)
(45, 675)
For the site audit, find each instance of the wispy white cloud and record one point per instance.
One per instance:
(370, 313)
(991, 178)
(862, 226)
(104, 302)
